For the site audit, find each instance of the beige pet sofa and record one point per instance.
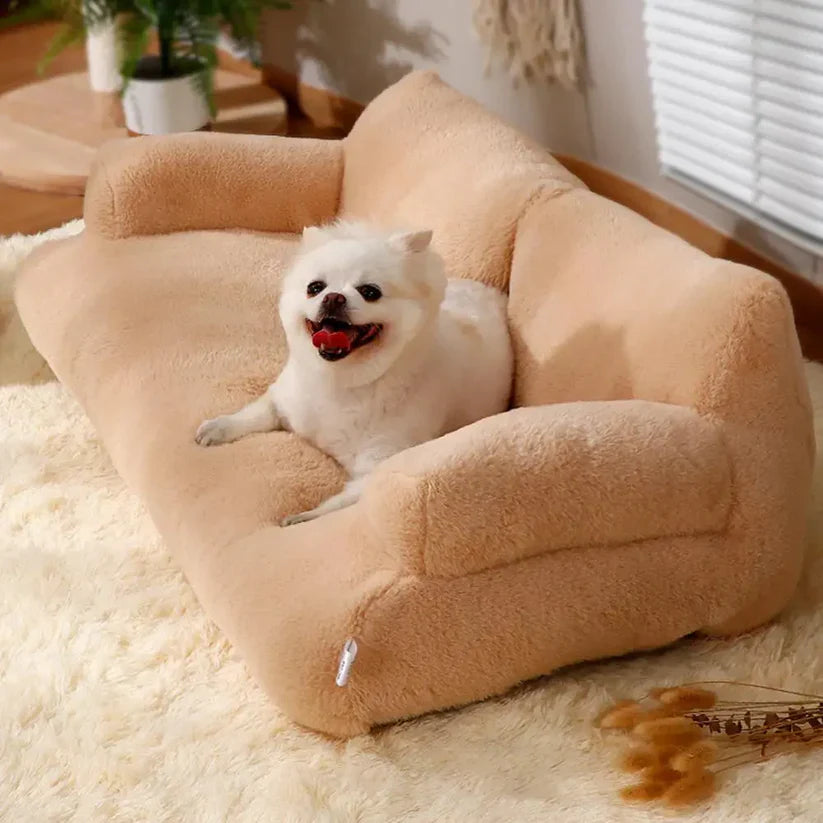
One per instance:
(651, 483)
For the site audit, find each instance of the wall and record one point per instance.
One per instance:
(358, 47)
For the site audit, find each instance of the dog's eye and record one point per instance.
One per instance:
(315, 287)
(370, 293)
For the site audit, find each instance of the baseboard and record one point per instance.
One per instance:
(326, 110)
(329, 110)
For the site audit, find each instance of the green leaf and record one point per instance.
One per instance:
(67, 35)
(146, 9)
(28, 14)
(133, 37)
(204, 80)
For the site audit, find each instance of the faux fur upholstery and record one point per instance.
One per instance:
(239, 182)
(655, 484)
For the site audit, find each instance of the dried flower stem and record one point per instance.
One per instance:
(750, 686)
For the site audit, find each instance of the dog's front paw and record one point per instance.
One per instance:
(214, 432)
(302, 517)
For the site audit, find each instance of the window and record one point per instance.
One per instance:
(737, 87)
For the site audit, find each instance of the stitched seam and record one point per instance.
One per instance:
(737, 331)
(115, 211)
(358, 705)
(581, 547)
(539, 193)
(721, 530)
(103, 170)
(731, 506)
(552, 189)
(341, 163)
(424, 516)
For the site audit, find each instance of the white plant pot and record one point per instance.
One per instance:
(101, 56)
(155, 106)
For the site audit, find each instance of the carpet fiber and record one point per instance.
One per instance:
(120, 701)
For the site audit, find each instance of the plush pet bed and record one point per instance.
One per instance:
(121, 701)
(653, 483)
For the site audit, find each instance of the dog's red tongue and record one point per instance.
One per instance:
(326, 339)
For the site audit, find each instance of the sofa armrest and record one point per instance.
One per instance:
(200, 181)
(545, 478)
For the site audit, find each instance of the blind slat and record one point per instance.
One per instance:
(794, 55)
(790, 216)
(712, 53)
(673, 95)
(791, 197)
(801, 161)
(711, 21)
(797, 13)
(801, 180)
(708, 159)
(703, 175)
(716, 127)
(802, 35)
(696, 85)
(789, 96)
(674, 130)
(801, 141)
(702, 69)
(788, 75)
(788, 116)
(738, 37)
(737, 91)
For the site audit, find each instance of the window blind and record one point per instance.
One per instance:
(737, 88)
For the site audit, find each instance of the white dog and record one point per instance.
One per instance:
(384, 353)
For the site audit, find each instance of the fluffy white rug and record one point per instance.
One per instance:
(120, 701)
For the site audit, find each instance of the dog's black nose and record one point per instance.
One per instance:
(334, 300)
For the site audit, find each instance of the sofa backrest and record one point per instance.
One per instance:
(604, 305)
(424, 156)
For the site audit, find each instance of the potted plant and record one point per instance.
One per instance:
(170, 90)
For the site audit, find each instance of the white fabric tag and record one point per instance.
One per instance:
(346, 660)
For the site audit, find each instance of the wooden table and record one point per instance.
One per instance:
(50, 130)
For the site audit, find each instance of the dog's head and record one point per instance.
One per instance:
(357, 299)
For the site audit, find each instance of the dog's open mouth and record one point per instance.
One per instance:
(336, 339)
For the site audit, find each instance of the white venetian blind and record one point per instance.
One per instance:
(738, 98)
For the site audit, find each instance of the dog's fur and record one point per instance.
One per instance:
(436, 355)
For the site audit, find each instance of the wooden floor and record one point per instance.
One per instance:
(26, 211)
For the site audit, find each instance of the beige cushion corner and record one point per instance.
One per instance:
(547, 478)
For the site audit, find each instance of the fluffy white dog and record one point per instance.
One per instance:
(384, 353)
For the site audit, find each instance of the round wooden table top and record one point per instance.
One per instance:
(50, 131)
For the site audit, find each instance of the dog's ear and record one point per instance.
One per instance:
(313, 236)
(412, 242)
